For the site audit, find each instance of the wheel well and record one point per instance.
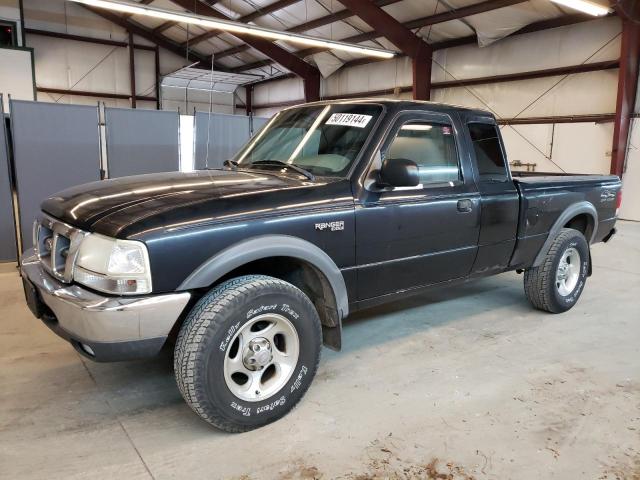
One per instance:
(583, 223)
(303, 275)
(299, 273)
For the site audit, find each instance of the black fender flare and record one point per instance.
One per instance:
(570, 212)
(265, 246)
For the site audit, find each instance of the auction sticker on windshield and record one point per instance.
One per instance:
(349, 120)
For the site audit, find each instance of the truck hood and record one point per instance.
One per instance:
(129, 206)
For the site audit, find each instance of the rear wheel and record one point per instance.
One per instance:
(556, 284)
(248, 352)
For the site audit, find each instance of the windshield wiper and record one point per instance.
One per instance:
(232, 164)
(278, 163)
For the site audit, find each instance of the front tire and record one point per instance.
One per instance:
(556, 285)
(247, 352)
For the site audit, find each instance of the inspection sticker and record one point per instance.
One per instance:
(349, 120)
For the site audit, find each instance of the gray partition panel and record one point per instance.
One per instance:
(54, 147)
(227, 134)
(141, 141)
(7, 225)
(258, 123)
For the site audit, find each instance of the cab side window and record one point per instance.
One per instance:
(431, 146)
(489, 156)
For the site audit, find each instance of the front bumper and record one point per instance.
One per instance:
(102, 328)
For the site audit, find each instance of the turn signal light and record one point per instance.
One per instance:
(618, 201)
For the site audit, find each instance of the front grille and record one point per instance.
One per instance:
(56, 245)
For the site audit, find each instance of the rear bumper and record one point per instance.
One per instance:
(609, 235)
(100, 327)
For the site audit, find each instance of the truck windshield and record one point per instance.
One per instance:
(323, 140)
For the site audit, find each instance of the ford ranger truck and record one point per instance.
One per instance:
(333, 207)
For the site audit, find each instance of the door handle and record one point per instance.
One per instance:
(465, 206)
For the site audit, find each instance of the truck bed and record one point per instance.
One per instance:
(539, 179)
(544, 198)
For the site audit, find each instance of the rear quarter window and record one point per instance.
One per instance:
(490, 159)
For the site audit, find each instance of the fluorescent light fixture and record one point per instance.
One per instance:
(234, 27)
(586, 6)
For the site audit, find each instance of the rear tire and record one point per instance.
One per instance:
(247, 352)
(557, 283)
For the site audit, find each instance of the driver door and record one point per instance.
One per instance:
(408, 237)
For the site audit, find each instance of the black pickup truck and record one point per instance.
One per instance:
(331, 208)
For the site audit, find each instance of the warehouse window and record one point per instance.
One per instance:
(432, 147)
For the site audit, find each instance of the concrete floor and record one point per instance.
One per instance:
(468, 381)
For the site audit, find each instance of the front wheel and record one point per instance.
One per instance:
(556, 284)
(248, 352)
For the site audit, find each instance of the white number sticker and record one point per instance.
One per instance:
(349, 120)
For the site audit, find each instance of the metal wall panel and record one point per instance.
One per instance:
(141, 141)
(226, 135)
(55, 147)
(7, 225)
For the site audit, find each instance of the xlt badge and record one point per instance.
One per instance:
(332, 226)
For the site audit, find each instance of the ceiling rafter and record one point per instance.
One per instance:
(402, 37)
(266, 10)
(142, 2)
(172, 23)
(473, 39)
(158, 39)
(277, 54)
(310, 25)
(483, 7)
(165, 26)
(457, 42)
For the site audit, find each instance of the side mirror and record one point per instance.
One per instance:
(399, 172)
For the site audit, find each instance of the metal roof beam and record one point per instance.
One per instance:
(266, 10)
(627, 88)
(310, 25)
(171, 23)
(388, 27)
(142, 2)
(309, 74)
(466, 82)
(164, 26)
(483, 7)
(81, 38)
(158, 39)
(402, 37)
(472, 39)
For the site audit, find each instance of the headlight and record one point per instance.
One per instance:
(113, 266)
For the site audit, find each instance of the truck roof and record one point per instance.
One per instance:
(399, 104)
